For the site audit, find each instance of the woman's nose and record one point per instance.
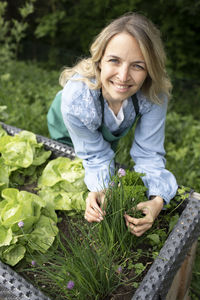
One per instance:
(123, 73)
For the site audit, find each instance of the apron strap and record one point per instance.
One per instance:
(135, 104)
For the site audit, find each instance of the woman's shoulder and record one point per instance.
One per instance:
(76, 88)
(82, 102)
(146, 105)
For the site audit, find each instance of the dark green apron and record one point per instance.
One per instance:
(56, 125)
(59, 132)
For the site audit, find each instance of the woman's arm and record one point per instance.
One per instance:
(81, 111)
(96, 153)
(149, 155)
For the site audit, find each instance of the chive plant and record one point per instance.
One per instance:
(125, 192)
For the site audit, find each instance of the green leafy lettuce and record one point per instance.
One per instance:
(39, 225)
(61, 187)
(20, 155)
(62, 184)
(22, 150)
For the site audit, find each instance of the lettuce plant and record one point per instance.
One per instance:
(24, 225)
(20, 153)
(62, 184)
(22, 150)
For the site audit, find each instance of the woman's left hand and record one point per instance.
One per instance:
(151, 210)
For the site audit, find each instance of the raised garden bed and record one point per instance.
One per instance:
(156, 283)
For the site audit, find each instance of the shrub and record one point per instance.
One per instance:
(27, 91)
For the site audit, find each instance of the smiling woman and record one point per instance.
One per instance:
(123, 83)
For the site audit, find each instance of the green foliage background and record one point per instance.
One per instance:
(61, 31)
(37, 40)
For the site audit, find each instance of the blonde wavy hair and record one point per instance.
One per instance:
(148, 36)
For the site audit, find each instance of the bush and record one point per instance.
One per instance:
(27, 91)
(182, 148)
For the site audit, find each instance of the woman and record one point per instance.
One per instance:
(124, 80)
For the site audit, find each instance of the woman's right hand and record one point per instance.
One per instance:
(94, 202)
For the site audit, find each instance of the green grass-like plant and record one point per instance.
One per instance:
(123, 195)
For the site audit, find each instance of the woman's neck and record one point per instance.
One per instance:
(115, 106)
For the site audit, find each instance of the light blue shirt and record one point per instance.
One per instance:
(81, 111)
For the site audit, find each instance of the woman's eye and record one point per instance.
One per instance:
(113, 60)
(138, 67)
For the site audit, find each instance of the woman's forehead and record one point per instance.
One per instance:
(124, 45)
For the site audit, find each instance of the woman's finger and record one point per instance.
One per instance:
(150, 209)
(93, 212)
(138, 230)
(90, 217)
(148, 219)
(93, 215)
(139, 226)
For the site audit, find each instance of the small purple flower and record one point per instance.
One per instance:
(112, 183)
(119, 269)
(70, 285)
(21, 224)
(33, 263)
(121, 172)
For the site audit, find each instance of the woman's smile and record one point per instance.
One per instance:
(122, 88)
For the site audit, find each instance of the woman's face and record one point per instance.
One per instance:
(123, 68)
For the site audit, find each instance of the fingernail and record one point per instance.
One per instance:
(100, 219)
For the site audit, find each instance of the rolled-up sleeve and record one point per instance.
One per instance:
(97, 155)
(82, 117)
(148, 153)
